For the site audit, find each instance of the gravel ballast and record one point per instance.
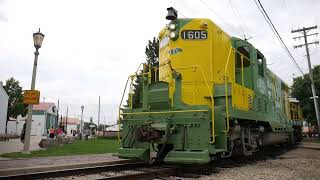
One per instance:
(299, 163)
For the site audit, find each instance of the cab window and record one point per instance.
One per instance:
(243, 51)
(260, 62)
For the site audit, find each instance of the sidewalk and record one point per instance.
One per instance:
(15, 145)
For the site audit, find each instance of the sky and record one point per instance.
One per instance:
(91, 47)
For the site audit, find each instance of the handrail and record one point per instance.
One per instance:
(226, 82)
(211, 96)
(130, 102)
(242, 80)
(119, 120)
(131, 86)
(241, 54)
(226, 89)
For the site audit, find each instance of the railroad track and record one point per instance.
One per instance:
(77, 171)
(142, 170)
(144, 173)
(127, 171)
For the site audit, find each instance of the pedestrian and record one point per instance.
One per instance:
(47, 133)
(51, 133)
(23, 132)
(59, 131)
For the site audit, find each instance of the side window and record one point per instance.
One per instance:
(244, 50)
(260, 62)
(243, 66)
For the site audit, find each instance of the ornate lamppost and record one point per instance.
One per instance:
(81, 121)
(37, 40)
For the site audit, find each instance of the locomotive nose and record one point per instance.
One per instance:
(147, 135)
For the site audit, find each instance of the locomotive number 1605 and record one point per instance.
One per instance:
(194, 34)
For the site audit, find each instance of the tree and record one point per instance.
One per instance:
(152, 52)
(301, 90)
(152, 58)
(15, 102)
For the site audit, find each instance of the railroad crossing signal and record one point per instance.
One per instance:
(31, 97)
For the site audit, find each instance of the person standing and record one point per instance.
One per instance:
(51, 133)
(23, 132)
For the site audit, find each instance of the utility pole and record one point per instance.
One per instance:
(67, 121)
(57, 124)
(99, 117)
(304, 31)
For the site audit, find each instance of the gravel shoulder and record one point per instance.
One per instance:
(298, 163)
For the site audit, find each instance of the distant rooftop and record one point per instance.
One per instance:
(70, 120)
(43, 106)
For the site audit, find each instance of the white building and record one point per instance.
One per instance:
(72, 124)
(44, 116)
(15, 125)
(3, 108)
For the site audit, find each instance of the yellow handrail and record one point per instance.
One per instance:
(242, 79)
(130, 102)
(226, 82)
(211, 96)
(119, 120)
(226, 89)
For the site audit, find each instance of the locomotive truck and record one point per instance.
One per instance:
(212, 96)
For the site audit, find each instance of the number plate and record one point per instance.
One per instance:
(194, 34)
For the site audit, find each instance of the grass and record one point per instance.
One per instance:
(79, 147)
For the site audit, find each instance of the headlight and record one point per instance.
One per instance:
(173, 35)
(172, 27)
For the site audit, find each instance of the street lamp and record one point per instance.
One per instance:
(82, 107)
(37, 40)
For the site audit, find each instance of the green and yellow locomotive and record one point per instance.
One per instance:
(215, 98)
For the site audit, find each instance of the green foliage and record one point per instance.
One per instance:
(15, 103)
(79, 147)
(301, 89)
(152, 52)
(152, 57)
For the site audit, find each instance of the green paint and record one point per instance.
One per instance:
(189, 133)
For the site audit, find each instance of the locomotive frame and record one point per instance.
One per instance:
(215, 98)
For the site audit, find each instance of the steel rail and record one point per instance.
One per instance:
(76, 171)
(155, 172)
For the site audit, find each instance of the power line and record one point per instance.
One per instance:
(220, 17)
(236, 12)
(182, 14)
(274, 30)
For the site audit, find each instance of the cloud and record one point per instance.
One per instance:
(90, 48)
(3, 17)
